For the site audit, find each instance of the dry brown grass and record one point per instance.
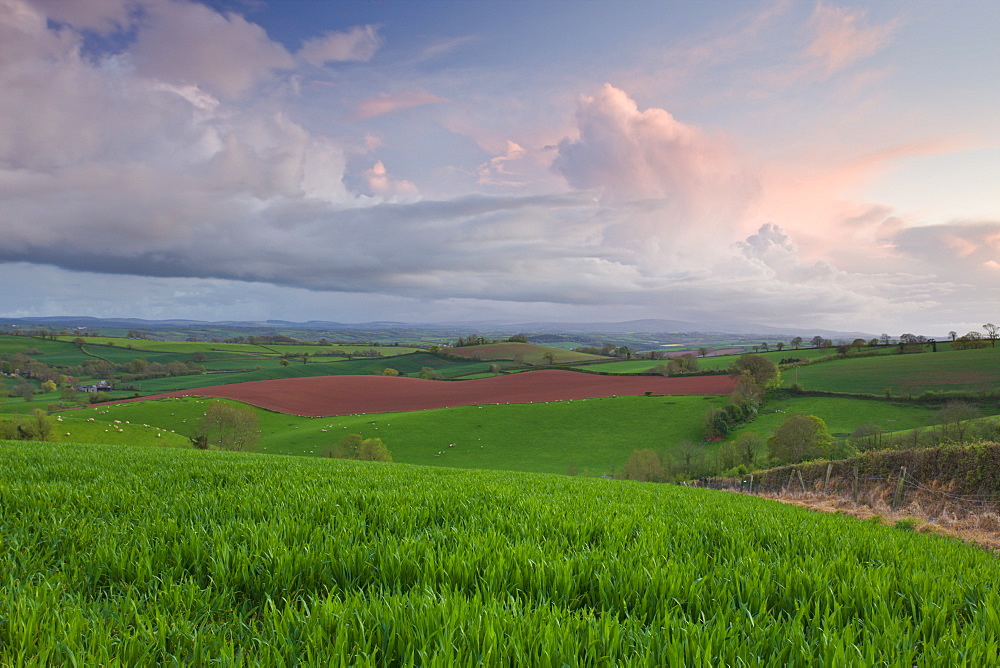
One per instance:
(930, 511)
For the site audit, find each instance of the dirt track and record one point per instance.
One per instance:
(343, 395)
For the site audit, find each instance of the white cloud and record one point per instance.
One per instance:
(359, 44)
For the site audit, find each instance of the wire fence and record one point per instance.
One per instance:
(896, 491)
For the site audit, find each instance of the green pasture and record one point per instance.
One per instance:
(593, 436)
(86, 426)
(903, 375)
(149, 556)
(10, 344)
(841, 415)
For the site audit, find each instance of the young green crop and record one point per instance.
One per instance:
(139, 556)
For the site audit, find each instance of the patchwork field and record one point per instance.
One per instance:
(340, 395)
(147, 556)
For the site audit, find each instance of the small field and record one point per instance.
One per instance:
(148, 556)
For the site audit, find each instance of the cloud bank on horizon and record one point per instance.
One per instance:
(765, 162)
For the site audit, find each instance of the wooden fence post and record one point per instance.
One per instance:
(856, 481)
(791, 476)
(898, 496)
(826, 481)
(750, 486)
(801, 481)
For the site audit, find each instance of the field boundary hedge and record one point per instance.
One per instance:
(971, 472)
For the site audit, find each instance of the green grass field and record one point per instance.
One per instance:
(964, 370)
(147, 556)
(592, 436)
(841, 415)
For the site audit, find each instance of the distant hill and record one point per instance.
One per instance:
(644, 326)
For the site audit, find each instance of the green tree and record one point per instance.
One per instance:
(348, 447)
(703, 351)
(389, 371)
(48, 386)
(549, 358)
(800, 438)
(797, 341)
(374, 450)
(763, 371)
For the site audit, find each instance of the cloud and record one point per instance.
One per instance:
(359, 44)
(497, 170)
(959, 249)
(385, 103)
(189, 43)
(380, 183)
(842, 37)
(628, 154)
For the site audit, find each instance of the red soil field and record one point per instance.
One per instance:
(324, 396)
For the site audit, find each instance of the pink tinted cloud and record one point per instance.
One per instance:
(630, 154)
(385, 103)
(187, 43)
(843, 37)
(380, 183)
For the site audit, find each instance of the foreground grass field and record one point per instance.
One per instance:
(148, 556)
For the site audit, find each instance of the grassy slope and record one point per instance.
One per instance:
(842, 416)
(904, 374)
(143, 556)
(592, 435)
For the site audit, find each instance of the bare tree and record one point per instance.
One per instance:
(230, 426)
(991, 332)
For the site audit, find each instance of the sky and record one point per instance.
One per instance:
(784, 163)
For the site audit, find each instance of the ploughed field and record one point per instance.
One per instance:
(148, 556)
(347, 395)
